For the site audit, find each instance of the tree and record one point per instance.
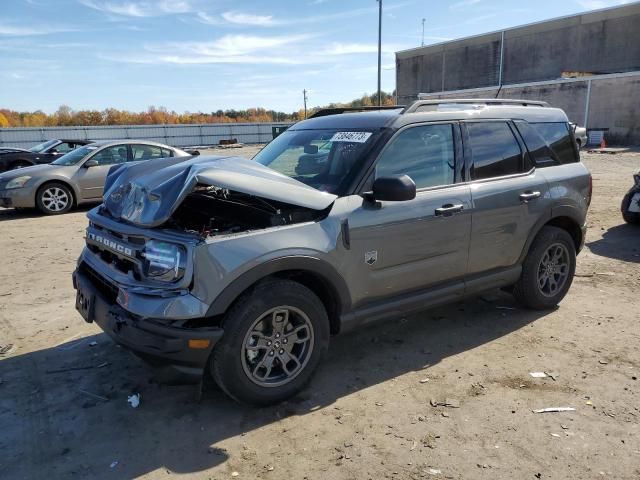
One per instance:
(4, 123)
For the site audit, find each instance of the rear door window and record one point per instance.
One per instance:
(147, 152)
(558, 138)
(495, 152)
(541, 154)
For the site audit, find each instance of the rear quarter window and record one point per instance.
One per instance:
(558, 138)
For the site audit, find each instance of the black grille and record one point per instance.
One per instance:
(104, 286)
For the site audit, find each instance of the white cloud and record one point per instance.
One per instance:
(227, 49)
(464, 4)
(596, 4)
(248, 19)
(139, 9)
(356, 48)
(20, 31)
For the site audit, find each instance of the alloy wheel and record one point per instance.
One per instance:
(277, 347)
(55, 199)
(553, 269)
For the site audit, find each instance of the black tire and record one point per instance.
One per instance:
(19, 164)
(54, 198)
(528, 290)
(629, 217)
(231, 364)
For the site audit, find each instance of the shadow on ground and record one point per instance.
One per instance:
(23, 213)
(621, 242)
(51, 426)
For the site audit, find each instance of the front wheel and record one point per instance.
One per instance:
(54, 199)
(548, 269)
(274, 338)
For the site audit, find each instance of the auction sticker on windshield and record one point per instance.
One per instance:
(355, 137)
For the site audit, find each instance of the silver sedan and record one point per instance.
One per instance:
(77, 177)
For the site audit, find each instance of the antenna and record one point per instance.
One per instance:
(423, 20)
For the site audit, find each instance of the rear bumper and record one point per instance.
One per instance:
(583, 238)
(164, 347)
(17, 198)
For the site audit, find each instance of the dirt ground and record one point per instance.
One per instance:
(368, 412)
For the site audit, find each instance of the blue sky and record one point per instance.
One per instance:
(204, 55)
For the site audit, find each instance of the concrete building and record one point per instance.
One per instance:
(587, 64)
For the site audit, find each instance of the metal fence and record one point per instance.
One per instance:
(174, 135)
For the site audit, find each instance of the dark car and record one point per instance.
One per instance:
(631, 202)
(46, 152)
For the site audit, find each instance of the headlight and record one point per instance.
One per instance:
(164, 261)
(17, 182)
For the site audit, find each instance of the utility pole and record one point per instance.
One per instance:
(379, 51)
(304, 98)
(423, 20)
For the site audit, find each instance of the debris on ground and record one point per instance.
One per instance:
(435, 471)
(4, 349)
(99, 397)
(93, 344)
(538, 374)
(554, 409)
(424, 380)
(113, 464)
(134, 400)
(448, 402)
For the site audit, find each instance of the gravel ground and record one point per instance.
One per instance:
(368, 413)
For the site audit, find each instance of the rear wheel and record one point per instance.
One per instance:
(548, 269)
(631, 207)
(54, 198)
(274, 338)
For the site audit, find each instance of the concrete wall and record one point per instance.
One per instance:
(600, 42)
(613, 102)
(606, 41)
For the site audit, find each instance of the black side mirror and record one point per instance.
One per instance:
(90, 163)
(311, 149)
(393, 189)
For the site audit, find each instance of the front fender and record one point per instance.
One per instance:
(319, 268)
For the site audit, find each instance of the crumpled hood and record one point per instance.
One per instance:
(147, 193)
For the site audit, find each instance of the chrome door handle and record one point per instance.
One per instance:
(448, 209)
(526, 196)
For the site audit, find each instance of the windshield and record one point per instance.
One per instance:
(74, 156)
(41, 147)
(321, 159)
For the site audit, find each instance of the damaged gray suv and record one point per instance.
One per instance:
(244, 269)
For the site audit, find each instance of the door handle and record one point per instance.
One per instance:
(529, 195)
(448, 209)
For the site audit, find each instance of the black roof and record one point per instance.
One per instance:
(365, 120)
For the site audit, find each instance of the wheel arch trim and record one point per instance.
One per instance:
(320, 269)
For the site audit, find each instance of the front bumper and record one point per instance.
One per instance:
(17, 198)
(163, 346)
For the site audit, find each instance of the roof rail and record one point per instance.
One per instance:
(476, 101)
(338, 110)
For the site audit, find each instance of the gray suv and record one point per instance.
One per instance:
(244, 269)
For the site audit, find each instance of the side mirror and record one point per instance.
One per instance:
(393, 189)
(195, 153)
(311, 149)
(90, 163)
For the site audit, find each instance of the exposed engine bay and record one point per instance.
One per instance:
(211, 211)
